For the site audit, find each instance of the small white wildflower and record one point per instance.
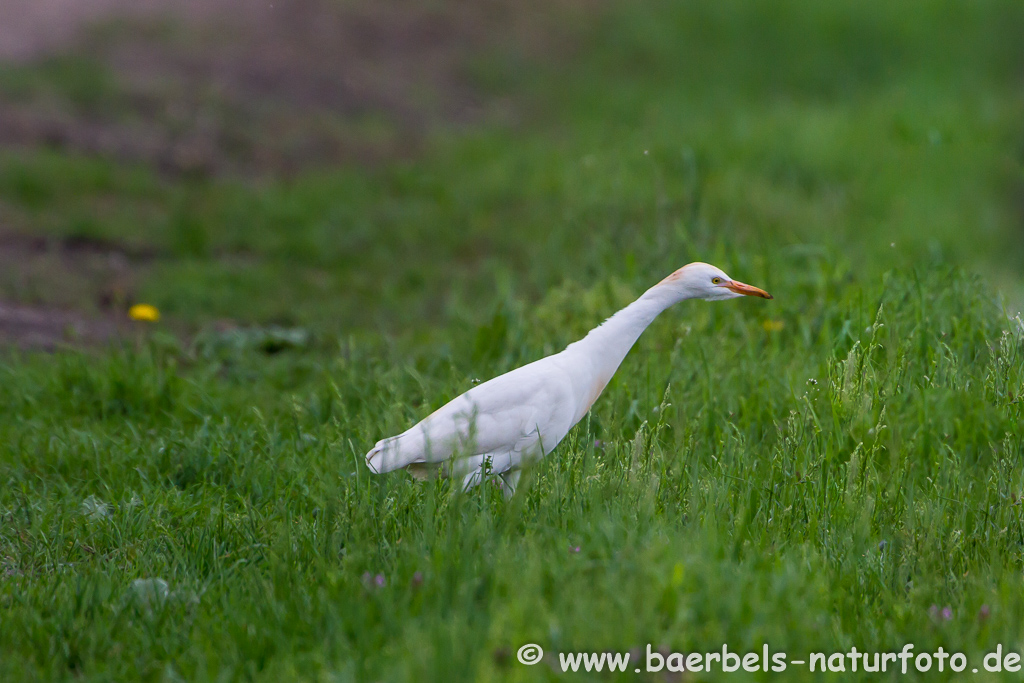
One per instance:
(150, 591)
(94, 508)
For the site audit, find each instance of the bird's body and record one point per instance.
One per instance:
(495, 427)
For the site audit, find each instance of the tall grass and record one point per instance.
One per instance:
(836, 467)
(814, 487)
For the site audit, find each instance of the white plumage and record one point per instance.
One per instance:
(497, 426)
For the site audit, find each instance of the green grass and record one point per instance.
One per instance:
(814, 472)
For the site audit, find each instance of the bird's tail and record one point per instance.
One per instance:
(394, 453)
(375, 459)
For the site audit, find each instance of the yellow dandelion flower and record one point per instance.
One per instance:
(772, 325)
(144, 312)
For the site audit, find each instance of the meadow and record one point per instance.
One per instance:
(840, 466)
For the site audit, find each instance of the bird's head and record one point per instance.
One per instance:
(704, 281)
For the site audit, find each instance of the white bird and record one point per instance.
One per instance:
(498, 426)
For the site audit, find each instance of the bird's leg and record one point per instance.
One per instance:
(477, 468)
(489, 466)
(508, 482)
(472, 480)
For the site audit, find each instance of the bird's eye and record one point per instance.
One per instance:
(716, 280)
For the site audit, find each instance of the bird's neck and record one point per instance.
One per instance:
(607, 344)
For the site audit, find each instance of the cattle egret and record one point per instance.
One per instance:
(498, 426)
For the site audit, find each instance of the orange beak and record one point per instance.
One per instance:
(746, 290)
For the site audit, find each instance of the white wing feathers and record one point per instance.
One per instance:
(492, 425)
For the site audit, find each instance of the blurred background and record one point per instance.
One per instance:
(348, 167)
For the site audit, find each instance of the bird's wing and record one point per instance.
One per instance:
(490, 418)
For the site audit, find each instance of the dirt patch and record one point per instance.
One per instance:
(249, 87)
(31, 28)
(85, 275)
(71, 292)
(42, 328)
(232, 88)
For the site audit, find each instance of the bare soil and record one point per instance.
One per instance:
(33, 28)
(229, 87)
(252, 88)
(28, 327)
(69, 292)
